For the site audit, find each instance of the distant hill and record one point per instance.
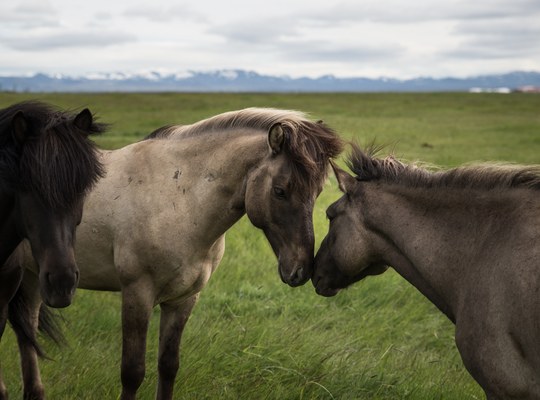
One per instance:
(247, 81)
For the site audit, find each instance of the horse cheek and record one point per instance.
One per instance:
(256, 208)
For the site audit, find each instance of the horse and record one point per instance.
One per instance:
(47, 165)
(154, 227)
(467, 238)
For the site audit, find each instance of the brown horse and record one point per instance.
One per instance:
(47, 165)
(154, 227)
(467, 238)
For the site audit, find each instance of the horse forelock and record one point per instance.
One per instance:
(367, 167)
(60, 166)
(486, 176)
(57, 162)
(310, 145)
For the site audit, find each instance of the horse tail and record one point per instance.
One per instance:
(19, 315)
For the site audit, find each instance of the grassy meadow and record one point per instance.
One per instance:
(252, 337)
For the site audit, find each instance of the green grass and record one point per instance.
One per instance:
(252, 337)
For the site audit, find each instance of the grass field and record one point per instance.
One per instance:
(252, 337)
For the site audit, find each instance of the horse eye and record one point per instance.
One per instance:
(279, 192)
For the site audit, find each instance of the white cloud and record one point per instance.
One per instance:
(164, 13)
(45, 41)
(500, 39)
(283, 37)
(27, 15)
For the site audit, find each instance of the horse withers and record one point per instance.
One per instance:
(154, 227)
(467, 238)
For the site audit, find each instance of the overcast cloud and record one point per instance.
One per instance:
(371, 38)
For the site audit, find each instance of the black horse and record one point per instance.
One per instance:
(47, 165)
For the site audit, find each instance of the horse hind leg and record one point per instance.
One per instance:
(173, 320)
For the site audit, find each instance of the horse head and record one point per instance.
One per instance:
(348, 253)
(58, 165)
(281, 193)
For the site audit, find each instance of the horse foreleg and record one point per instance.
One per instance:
(33, 386)
(173, 320)
(496, 360)
(137, 304)
(10, 279)
(3, 321)
(3, 389)
(23, 313)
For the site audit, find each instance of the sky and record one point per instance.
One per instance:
(346, 38)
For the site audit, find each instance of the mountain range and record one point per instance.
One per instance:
(249, 81)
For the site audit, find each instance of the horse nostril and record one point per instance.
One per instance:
(299, 273)
(297, 276)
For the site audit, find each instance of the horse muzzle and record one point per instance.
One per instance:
(321, 287)
(296, 276)
(57, 289)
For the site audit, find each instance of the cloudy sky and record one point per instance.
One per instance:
(345, 38)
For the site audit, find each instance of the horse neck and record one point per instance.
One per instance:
(222, 162)
(237, 157)
(7, 204)
(429, 237)
(9, 237)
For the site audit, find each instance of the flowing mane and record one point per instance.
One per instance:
(481, 176)
(309, 144)
(57, 162)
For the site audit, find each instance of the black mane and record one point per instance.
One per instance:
(480, 176)
(56, 162)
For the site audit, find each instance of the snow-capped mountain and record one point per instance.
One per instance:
(249, 81)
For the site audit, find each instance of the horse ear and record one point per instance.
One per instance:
(276, 138)
(345, 181)
(20, 127)
(84, 120)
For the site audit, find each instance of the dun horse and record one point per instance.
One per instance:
(154, 227)
(466, 238)
(47, 164)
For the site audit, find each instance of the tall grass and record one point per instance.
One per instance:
(252, 337)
